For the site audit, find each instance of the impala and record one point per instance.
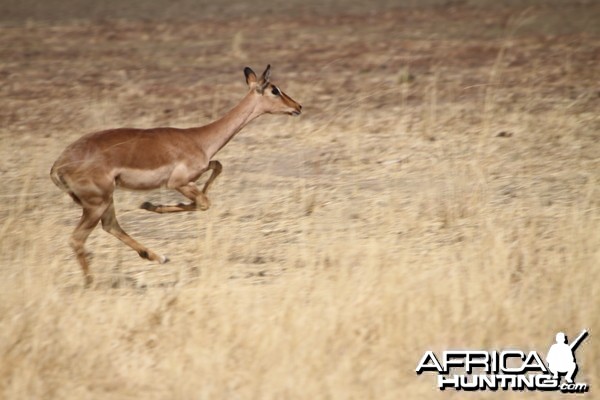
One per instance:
(91, 168)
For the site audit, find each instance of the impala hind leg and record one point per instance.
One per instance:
(111, 225)
(89, 219)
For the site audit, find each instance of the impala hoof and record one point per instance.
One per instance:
(163, 259)
(148, 206)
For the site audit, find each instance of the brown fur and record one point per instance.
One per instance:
(92, 167)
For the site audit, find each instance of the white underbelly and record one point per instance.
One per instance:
(142, 179)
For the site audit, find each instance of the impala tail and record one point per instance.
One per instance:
(60, 182)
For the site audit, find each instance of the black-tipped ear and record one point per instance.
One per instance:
(250, 76)
(266, 75)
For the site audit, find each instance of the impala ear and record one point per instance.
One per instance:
(250, 76)
(266, 75)
(264, 79)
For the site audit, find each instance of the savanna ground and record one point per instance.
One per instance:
(439, 191)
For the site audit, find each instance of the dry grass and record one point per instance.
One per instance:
(392, 218)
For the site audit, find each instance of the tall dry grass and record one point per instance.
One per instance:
(388, 220)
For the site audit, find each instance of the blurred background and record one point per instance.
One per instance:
(439, 191)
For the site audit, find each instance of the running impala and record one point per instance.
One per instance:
(92, 167)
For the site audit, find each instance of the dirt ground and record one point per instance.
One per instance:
(439, 190)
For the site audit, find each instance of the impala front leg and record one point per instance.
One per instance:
(192, 192)
(199, 199)
(216, 168)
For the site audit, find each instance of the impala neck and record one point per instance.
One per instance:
(217, 134)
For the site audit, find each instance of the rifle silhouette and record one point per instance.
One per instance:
(579, 339)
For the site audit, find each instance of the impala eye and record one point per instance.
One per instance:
(275, 91)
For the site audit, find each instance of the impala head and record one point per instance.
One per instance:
(272, 99)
